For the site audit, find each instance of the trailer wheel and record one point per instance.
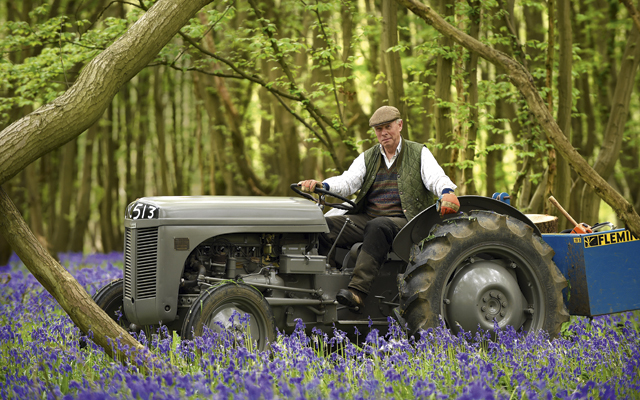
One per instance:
(480, 268)
(214, 309)
(110, 299)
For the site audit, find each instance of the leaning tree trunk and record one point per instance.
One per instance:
(523, 80)
(62, 120)
(84, 312)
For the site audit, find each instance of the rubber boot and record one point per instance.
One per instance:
(364, 273)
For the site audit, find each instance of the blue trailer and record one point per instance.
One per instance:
(603, 270)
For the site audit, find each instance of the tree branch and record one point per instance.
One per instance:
(242, 75)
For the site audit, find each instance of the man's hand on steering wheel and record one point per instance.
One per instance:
(309, 186)
(305, 188)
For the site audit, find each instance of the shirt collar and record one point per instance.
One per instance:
(398, 149)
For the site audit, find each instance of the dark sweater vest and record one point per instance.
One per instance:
(383, 199)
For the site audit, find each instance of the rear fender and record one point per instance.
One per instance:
(420, 226)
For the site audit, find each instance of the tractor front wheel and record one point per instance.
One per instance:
(215, 308)
(110, 299)
(481, 269)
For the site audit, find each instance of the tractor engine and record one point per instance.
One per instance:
(247, 255)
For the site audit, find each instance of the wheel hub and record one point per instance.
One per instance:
(494, 305)
(481, 292)
(223, 318)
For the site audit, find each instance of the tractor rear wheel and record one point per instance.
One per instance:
(215, 310)
(480, 269)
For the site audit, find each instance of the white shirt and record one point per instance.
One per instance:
(433, 176)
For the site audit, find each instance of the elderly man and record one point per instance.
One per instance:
(397, 179)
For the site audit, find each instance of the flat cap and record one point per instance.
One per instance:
(384, 115)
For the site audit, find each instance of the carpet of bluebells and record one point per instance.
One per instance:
(41, 357)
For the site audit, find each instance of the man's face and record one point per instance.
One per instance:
(389, 134)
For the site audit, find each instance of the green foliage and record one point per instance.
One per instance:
(42, 59)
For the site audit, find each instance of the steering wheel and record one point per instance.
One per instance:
(320, 200)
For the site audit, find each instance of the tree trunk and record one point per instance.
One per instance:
(62, 230)
(444, 125)
(289, 147)
(357, 120)
(535, 33)
(126, 127)
(318, 75)
(176, 149)
(379, 90)
(468, 185)
(199, 146)
(83, 208)
(115, 211)
(34, 201)
(546, 223)
(552, 167)
(604, 74)
(200, 81)
(523, 80)
(49, 177)
(105, 204)
(429, 82)
(159, 108)
(232, 120)
(393, 69)
(142, 89)
(504, 111)
(562, 188)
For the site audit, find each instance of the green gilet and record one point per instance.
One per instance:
(414, 197)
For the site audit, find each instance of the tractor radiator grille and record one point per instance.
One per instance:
(147, 260)
(141, 259)
(128, 262)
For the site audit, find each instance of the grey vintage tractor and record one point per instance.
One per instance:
(190, 263)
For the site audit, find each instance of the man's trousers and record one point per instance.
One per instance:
(376, 235)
